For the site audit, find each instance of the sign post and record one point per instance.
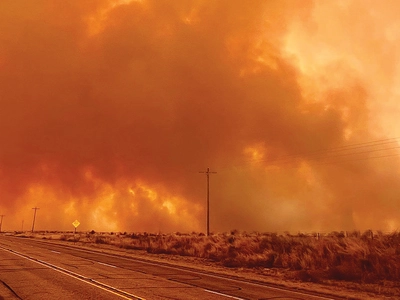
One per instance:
(76, 224)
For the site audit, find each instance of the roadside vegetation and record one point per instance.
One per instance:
(354, 257)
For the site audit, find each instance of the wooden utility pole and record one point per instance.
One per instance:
(208, 197)
(1, 221)
(34, 218)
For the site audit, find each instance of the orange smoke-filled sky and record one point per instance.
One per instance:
(109, 109)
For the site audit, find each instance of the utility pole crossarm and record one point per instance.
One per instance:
(208, 172)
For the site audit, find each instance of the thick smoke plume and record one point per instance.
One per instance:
(109, 110)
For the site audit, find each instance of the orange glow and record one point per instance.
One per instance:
(110, 208)
(255, 153)
(109, 108)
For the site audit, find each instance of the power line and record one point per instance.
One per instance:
(208, 172)
(360, 145)
(349, 154)
(322, 155)
(358, 159)
(336, 151)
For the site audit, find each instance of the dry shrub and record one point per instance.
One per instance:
(101, 240)
(350, 256)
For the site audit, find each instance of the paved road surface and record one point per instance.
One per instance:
(32, 269)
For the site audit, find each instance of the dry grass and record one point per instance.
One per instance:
(360, 258)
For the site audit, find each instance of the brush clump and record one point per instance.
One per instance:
(343, 256)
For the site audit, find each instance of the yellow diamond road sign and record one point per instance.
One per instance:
(76, 223)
